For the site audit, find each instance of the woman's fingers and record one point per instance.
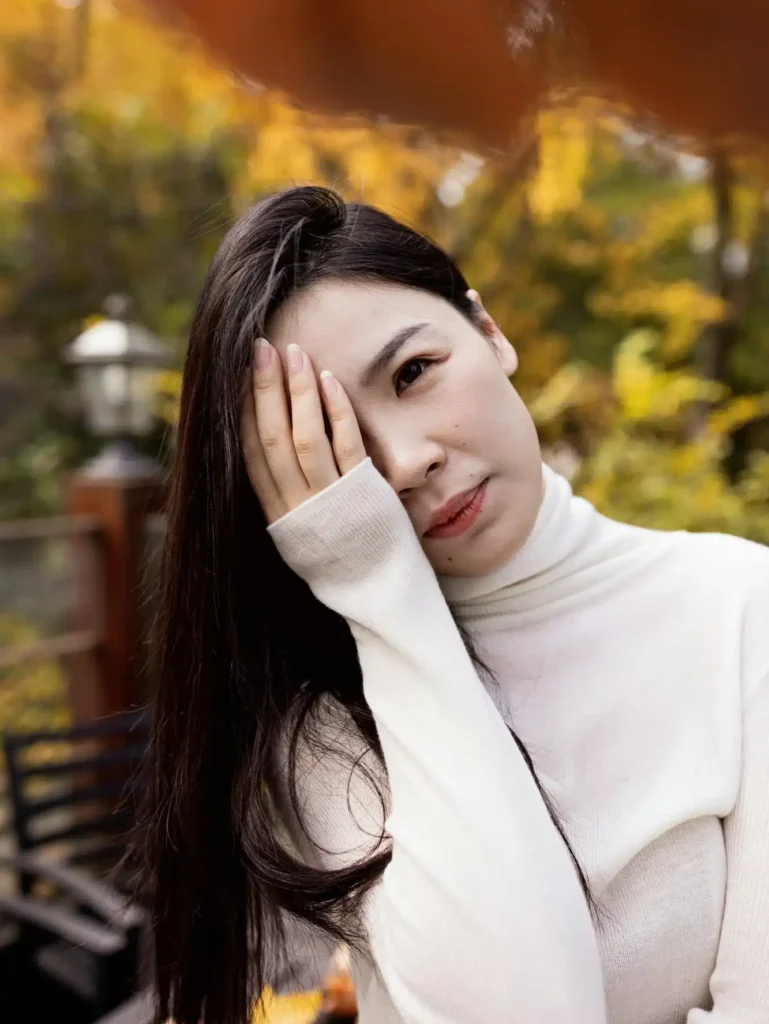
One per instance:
(309, 434)
(258, 471)
(274, 426)
(347, 441)
(287, 452)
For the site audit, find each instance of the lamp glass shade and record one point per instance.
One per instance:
(119, 399)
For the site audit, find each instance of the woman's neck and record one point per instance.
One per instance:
(563, 537)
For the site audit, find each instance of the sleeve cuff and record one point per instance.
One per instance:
(348, 530)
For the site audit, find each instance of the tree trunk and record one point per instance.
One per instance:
(711, 353)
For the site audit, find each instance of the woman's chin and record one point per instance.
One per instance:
(487, 546)
(477, 553)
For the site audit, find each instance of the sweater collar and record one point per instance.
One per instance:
(565, 538)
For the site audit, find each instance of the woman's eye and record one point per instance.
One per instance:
(410, 372)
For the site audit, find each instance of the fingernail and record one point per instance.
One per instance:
(295, 358)
(263, 353)
(329, 384)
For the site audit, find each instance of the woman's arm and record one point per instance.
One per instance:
(740, 981)
(479, 915)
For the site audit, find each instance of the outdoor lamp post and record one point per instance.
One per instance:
(116, 362)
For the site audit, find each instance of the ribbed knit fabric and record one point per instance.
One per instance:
(634, 665)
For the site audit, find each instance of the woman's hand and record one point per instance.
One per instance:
(287, 453)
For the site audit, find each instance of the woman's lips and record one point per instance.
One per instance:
(464, 518)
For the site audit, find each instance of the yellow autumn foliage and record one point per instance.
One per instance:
(646, 391)
(564, 150)
(383, 165)
(139, 73)
(646, 468)
(525, 240)
(32, 695)
(684, 307)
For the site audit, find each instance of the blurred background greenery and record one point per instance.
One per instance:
(629, 271)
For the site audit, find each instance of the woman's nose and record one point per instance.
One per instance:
(406, 466)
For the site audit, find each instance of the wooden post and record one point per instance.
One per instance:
(119, 489)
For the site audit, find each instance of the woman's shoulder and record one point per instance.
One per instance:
(731, 575)
(735, 566)
(708, 570)
(735, 562)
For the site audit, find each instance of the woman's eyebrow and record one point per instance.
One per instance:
(388, 352)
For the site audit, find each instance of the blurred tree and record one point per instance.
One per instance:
(613, 231)
(134, 154)
(646, 468)
(104, 200)
(112, 217)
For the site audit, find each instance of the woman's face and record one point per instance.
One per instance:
(437, 412)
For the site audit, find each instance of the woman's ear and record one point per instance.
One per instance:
(504, 351)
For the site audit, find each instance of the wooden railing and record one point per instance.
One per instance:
(79, 647)
(95, 627)
(45, 529)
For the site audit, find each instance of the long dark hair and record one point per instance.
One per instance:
(233, 681)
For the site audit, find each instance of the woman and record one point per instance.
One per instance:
(379, 613)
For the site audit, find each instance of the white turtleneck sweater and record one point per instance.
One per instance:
(634, 665)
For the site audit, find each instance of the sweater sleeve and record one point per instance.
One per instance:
(740, 982)
(479, 915)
